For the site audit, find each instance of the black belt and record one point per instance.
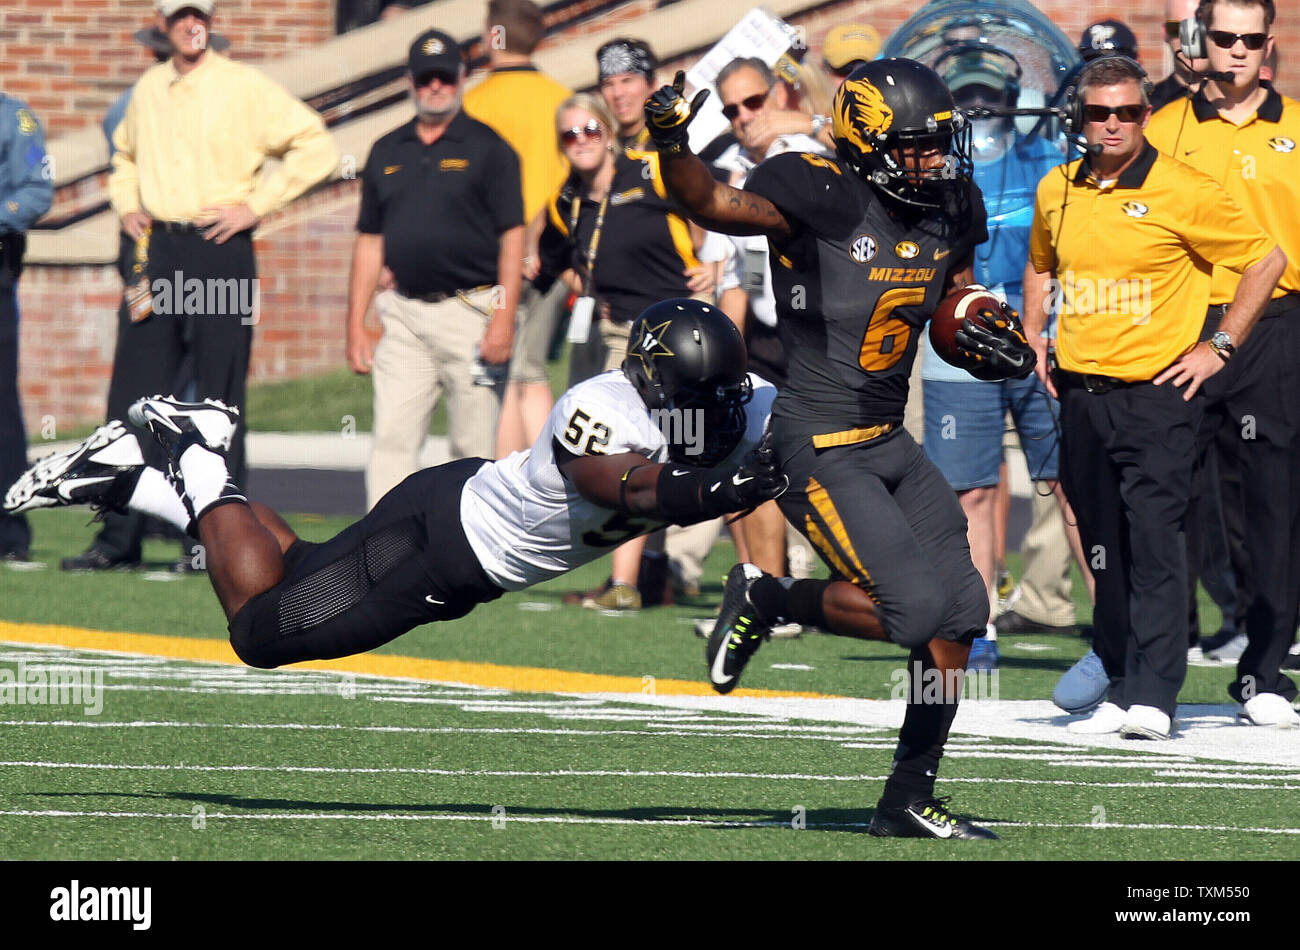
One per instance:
(1277, 305)
(177, 227)
(439, 296)
(1091, 382)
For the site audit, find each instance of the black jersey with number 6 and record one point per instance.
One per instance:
(854, 287)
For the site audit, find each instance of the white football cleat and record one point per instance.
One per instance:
(101, 471)
(178, 425)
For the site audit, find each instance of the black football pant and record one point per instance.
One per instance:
(15, 535)
(1126, 466)
(1252, 419)
(192, 354)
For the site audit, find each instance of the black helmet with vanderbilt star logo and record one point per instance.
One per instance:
(684, 355)
(890, 107)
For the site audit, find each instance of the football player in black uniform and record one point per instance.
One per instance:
(863, 248)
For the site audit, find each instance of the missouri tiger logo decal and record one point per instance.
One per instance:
(861, 115)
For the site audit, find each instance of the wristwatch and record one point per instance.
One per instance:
(819, 122)
(1221, 343)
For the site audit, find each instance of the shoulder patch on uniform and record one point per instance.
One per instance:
(1280, 143)
(26, 122)
(453, 164)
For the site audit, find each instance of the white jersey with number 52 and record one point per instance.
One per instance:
(526, 523)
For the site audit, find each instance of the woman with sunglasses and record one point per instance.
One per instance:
(620, 245)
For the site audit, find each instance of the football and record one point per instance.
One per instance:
(948, 317)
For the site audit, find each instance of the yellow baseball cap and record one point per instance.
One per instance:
(848, 43)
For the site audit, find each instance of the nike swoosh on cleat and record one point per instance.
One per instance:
(943, 830)
(429, 598)
(69, 485)
(717, 670)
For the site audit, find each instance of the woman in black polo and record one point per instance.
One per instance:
(613, 233)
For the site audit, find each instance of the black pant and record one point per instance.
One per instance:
(15, 535)
(197, 350)
(1252, 420)
(1126, 466)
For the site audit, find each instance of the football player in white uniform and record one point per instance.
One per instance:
(673, 438)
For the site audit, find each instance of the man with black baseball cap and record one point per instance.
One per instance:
(1107, 38)
(442, 208)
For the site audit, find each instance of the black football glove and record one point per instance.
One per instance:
(997, 346)
(667, 115)
(758, 478)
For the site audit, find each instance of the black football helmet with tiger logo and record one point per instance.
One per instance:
(891, 108)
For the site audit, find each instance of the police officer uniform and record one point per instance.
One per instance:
(26, 191)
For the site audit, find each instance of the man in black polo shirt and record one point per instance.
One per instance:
(442, 208)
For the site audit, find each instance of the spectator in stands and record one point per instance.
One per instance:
(519, 103)
(26, 190)
(186, 183)
(848, 46)
(442, 208)
(964, 417)
(627, 78)
(1178, 83)
(1107, 38)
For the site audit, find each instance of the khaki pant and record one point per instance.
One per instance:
(1046, 587)
(538, 315)
(426, 351)
(604, 350)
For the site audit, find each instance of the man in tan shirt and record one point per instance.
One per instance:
(189, 186)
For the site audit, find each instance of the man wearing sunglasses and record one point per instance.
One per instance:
(1120, 246)
(1244, 134)
(442, 208)
(1179, 82)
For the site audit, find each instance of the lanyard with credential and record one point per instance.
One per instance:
(594, 244)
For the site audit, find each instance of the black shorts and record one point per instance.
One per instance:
(882, 516)
(404, 564)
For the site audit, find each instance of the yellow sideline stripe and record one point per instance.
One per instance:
(524, 679)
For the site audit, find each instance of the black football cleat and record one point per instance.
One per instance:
(101, 471)
(925, 818)
(738, 632)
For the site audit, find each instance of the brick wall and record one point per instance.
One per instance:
(70, 59)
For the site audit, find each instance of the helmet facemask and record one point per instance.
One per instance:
(717, 422)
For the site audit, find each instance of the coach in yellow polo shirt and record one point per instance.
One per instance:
(1121, 244)
(189, 186)
(1243, 134)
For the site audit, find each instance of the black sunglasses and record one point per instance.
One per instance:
(591, 130)
(446, 79)
(753, 104)
(1102, 113)
(1225, 40)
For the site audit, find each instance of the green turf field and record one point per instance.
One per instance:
(197, 760)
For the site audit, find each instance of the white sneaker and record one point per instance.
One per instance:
(1195, 654)
(1106, 718)
(1269, 709)
(1145, 722)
